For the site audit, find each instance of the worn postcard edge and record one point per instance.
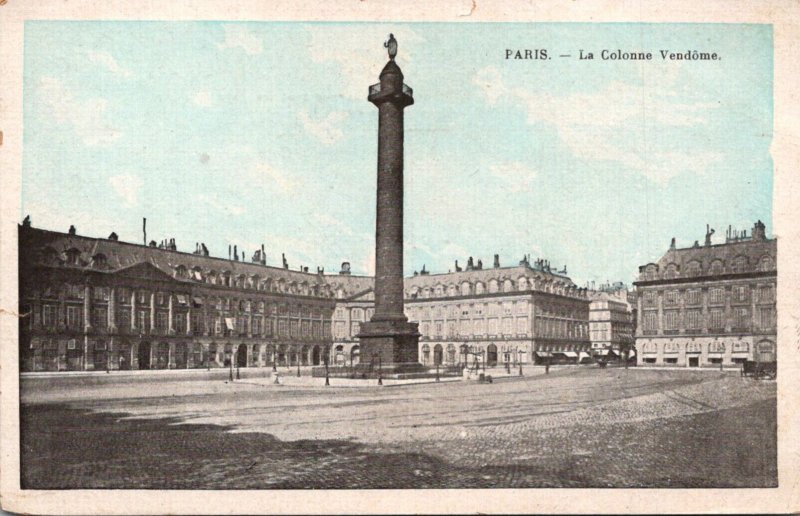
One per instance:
(783, 15)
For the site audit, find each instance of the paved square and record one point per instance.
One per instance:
(576, 427)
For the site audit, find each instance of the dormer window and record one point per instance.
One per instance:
(73, 256)
(99, 260)
(181, 272)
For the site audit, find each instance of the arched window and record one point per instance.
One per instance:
(739, 264)
(493, 286)
(717, 267)
(439, 290)
(671, 271)
(466, 288)
(649, 347)
(452, 291)
(508, 285)
(99, 261)
(181, 272)
(651, 272)
(694, 268)
(522, 283)
(480, 288)
(73, 256)
(766, 264)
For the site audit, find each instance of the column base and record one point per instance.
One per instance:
(392, 344)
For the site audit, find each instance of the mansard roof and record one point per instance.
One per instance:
(732, 257)
(80, 252)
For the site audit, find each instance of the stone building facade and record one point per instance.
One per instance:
(99, 303)
(96, 304)
(611, 326)
(526, 313)
(709, 305)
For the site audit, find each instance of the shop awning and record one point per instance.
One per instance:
(583, 355)
(181, 299)
(198, 301)
(631, 353)
(740, 354)
(602, 352)
(570, 353)
(542, 354)
(614, 351)
(229, 323)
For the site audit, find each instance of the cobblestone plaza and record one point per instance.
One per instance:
(576, 427)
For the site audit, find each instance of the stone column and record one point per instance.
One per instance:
(153, 313)
(87, 308)
(388, 336)
(171, 319)
(112, 310)
(189, 320)
(134, 322)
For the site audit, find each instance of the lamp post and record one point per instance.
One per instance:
(298, 366)
(230, 364)
(380, 370)
(274, 360)
(327, 375)
(437, 369)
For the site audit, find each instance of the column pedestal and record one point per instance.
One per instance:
(392, 345)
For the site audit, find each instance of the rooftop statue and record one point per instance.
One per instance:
(391, 46)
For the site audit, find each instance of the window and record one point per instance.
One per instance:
(74, 317)
(741, 293)
(438, 329)
(694, 319)
(716, 319)
(765, 264)
(671, 360)
(671, 297)
(142, 297)
(739, 264)
(671, 271)
(257, 325)
(767, 317)
(340, 330)
(197, 323)
(671, 318)
(693, 297)
(716, 347)
(522, 325)
(99, 317)
(717, 267)
(650, 322)
(649, 299)
(124, 319)
(180, 323)
(100, 293)
(522, 307)
(649, 360)
(508, 325)
(162, 320)
(162, 298)
(693, 268)
(766, 294)
(741, 318)
(49, 316)
(716, 296)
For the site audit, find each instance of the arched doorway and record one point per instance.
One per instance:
(211, 356)
(241, 356)
(144, 355)
(437, 355)
(255, 356)
(304, 354)
(451, 354)
(100, 357)
(125, 355)
(315, 356)
(355, 355)
(162, 355)
(181, 355)
(491, 355)
(464, 358)
(338, 358)
(426, 354)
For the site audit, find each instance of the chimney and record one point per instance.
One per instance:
(497, 261)
(759, 231)
(235, 254)
(672, 244)
(144, 229)
(263, 255)
(345, 270)
(113, 237)
(229, 252)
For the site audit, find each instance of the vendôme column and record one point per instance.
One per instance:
(388, 338)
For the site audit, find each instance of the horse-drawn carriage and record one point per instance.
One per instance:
(760, 370)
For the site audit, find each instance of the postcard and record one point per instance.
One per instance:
(373, 258)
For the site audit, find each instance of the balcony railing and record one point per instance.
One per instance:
(376, 88)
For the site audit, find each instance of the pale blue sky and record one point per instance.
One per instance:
(243, 133)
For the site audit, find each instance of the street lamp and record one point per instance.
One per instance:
(380, 370)
(298, 365)
(274, 360)
(327, 377)
(437, 368)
